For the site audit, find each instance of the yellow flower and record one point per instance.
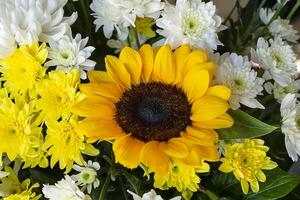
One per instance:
(58, 93)
(144, 26)
(12, 189)
(19, 125)
(66, 143)
(159, 107)
(22, 69)
(246, 161)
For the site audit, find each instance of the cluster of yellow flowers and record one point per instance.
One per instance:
(31, 100)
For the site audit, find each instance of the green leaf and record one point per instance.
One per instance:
(278, 184)
(245, 126)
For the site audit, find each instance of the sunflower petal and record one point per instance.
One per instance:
(105, 109)
(127, 151)
(200, 136)
(100, 129)
(220, 91)
(222, 121)
(117, 71)
(208, 107)
(208, 153)
(154, 158)
(108, 90)
(99, 76)
(195, 84)
(174, 148)
(147, 56)
(133, 63)
(180, 55)
(163, 69)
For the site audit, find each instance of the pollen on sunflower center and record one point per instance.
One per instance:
(153, 111)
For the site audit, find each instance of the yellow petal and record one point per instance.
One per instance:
(133, 63)
(90, 150)
(222, 121)
(270, 165)
(99, 76)
(254, 186)
(208, 153)
(261, 176)
(225, 167)
(97, 107)
(127, 151)
(245, 186)
(181, 55)
(174, 147)
(147, 56)
(220, 91)
(195, 84)
(117, 71)
(208, 107)
(163, 69)
(200, 136)
(154, 158)
(100, 129)
(108, 90)
(196, 57)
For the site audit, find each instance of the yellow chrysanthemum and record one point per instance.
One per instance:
(160, 108)
(66, 143)
(22, 69)
(246, 161)
(144, 26)
(19, 125)
(12, 189)
(58, 93)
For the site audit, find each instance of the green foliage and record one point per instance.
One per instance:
(245, 126)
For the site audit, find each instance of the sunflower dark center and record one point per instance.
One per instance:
(153, 111)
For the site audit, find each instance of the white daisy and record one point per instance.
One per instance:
(280, 92)
(282, 28)
(277, 59)
(236, 73)
(68, 53)
(290, 112)
(120, 14)
(193, 22)
(266, 14)
(29, 21)
(87, 178)
(150, 196)
(64, 189)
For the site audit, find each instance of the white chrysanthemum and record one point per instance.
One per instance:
(282, 28)
(280, 92)
(68, 53)
(266, 14)
(65, 189)
(120, 14)
(150, 196)
(87, 177)
(193, 22)
(290, 112)
(29, 21)
(236, 73)
(277, 59)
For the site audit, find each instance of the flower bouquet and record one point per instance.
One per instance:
(148, 100)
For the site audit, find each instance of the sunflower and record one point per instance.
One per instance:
(159, 109)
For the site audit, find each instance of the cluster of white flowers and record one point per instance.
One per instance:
(120, 14)
(277, 59)
(236, 73)
(150, 196)
(290, 112)
(193, 22)
(30, 21)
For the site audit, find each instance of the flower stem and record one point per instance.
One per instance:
(85, 14)
(123, 189)
(296, 6)
(137, 38)
(105, 187)
(208, 193)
